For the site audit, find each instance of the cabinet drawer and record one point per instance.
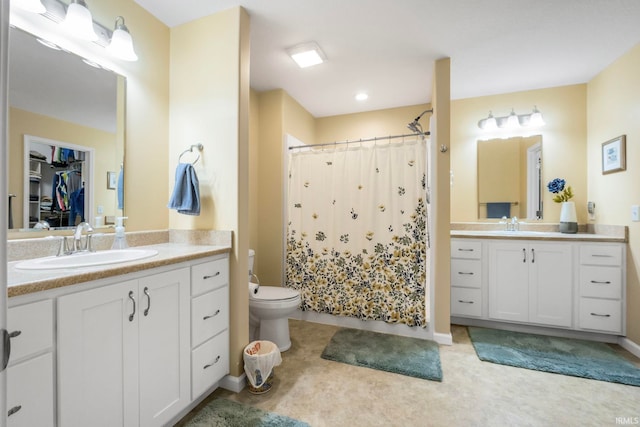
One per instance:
(466, 302)
(209, 363)
(209, 275)
(601, 255)
(461, 248)
(209, 315)
(466, 272)
(30, 393)
(600, 282)
(601, 315)
(32, 325)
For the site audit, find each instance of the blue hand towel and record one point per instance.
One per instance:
(498, 209)
(186, 193)
(121, 189)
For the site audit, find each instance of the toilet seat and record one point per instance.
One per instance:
(275, 294)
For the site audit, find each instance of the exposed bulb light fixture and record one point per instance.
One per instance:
(512, 121)
(34, 6)
(79, 22)
(121, 45)
(307, 54)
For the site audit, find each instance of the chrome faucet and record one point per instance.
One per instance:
(77, 237)
(513, 225)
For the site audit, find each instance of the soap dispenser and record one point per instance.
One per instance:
(120, 239)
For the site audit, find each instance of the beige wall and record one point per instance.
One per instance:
(209, 104)
(613, 110)
(563, 140)
(27, 123)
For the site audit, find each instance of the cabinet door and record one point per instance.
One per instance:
(164, 346)
(550, 284)
(98, 357)
(30, 393)
(508, 281)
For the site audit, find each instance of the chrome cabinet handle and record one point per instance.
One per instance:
(134, 306)
(601, 256)
(210, 276)
(465, 302)
(14, 410)
(465, 250)
(524, 255)
(533, 255)
(15, 334)
(6, 345)
(600, 315)
(601, 283)
(211, 315)
(465, 273)
(146, 292)
(211, 364)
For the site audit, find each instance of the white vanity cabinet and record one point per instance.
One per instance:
(466, 278)
(30, 389)
(601, 302)
(531, 282)
(123, 352)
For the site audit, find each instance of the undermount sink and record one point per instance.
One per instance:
(86, 259)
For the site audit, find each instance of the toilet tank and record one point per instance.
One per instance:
(252, 254)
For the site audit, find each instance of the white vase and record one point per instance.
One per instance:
(568, 218)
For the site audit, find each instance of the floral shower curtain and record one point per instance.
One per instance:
(357, 231)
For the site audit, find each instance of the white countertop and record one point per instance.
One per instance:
(535, 235)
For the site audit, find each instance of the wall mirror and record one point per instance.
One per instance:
(58, 101)
(510, 178)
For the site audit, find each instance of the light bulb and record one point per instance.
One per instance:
(121, 45)
(79, 22)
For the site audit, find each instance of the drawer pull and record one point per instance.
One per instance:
(466, 273)
(146, 292)
(524, 255)
(15, 334)
(211, 315)
(133, 313)
(465, 302)
(601, 256)
(533, 255)
(14, 410)
(465, 250)
(600, 315)
(601, 283)
(211, 364)
(211, 275)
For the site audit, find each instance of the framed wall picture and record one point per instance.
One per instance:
(112, 180)
(614, 157)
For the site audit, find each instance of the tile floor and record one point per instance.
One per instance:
(472, 393)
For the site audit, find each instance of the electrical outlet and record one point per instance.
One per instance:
(635, 213)
(100, 209)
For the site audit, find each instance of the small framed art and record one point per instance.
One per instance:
(614, 157)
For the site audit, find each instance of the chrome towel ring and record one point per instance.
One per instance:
(200, 147)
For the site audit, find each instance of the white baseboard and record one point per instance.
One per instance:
(444, 339)
(234, 384)
(630, 346)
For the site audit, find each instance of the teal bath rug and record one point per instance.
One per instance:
(578, 358)
(401, 355)
(227, 413)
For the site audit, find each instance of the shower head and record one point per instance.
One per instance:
(415, 125)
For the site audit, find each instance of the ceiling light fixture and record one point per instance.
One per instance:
(34, 6)
(512, 121)
(307, 54)
(121, 45)
(79, 22)
(362, 96)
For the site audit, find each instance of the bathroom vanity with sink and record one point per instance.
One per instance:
(568, 282)
(135, 343)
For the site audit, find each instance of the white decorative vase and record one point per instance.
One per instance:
(568, 218)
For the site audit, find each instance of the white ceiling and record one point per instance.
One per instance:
(387, 48)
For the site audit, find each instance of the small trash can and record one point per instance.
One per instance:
(260, 357)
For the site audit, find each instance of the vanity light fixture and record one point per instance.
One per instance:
(512, 121)
(79, 22)
(307, 54)
(34, 6)
(121, 45)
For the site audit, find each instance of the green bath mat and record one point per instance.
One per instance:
(578, 358)
(401, 355)
(227, 413)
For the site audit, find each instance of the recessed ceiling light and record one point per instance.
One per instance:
(362, 96)
(307, 54)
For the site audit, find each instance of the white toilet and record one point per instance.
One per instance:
(269, 310)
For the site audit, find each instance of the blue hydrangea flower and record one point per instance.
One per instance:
(556, 186)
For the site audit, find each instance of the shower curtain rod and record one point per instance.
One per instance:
(355, 141)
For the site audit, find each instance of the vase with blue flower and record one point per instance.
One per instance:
(563, 195)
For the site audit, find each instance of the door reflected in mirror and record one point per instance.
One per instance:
(510, 178)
